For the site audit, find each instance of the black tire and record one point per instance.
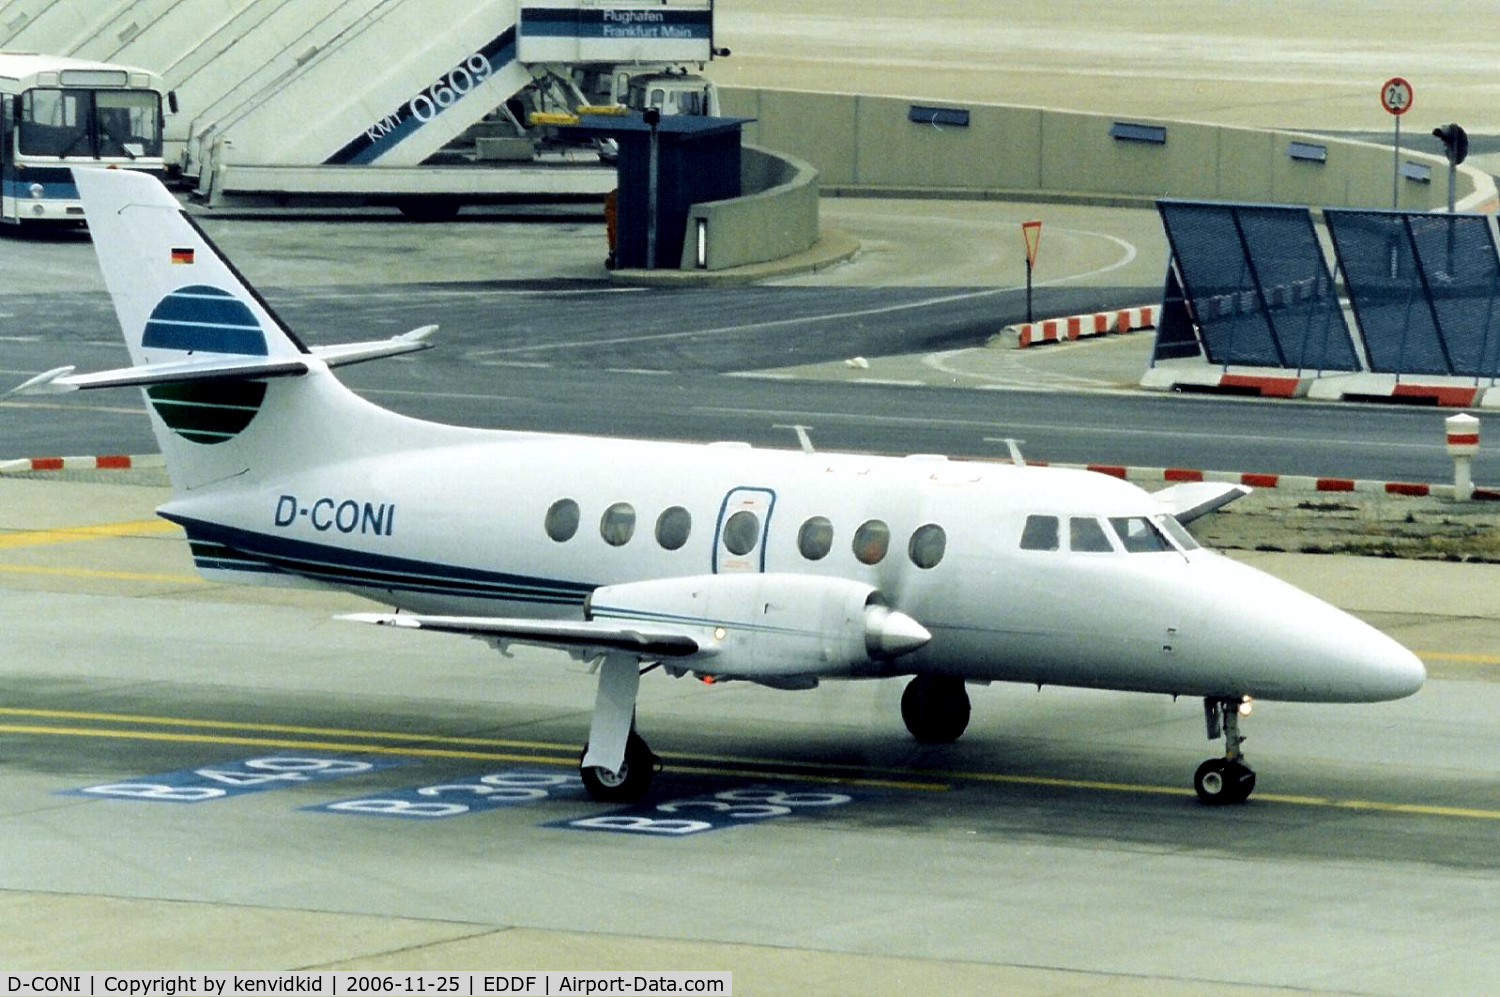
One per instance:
(1220, 782)
(935, 708)
(634, 778)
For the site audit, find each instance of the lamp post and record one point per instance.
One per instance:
(653, 121)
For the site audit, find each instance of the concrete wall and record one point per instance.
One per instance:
(866, 144)
(776, 217)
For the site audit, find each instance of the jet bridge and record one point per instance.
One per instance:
(374, 98)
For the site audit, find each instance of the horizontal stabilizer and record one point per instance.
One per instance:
(1192, 499)
(348, 353)
(585, 636)
(63, 380)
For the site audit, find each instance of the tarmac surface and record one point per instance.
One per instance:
(1056, 849)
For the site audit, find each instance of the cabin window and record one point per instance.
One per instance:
(617, 525)
(673, 527)
(1177, 532)
(562, 520)
(1139, 535)
(815, 539)
(871, 541)
(927, 546)
(741, 532)
(1040, 533)
(1086, 536)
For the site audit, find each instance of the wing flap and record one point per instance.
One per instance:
(572, 636)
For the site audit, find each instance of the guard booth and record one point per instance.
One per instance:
(698, 160)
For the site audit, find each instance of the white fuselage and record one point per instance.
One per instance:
(462, 529)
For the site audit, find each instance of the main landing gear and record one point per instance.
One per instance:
(630, 782)
(1221, 781)
(617, 766)
(935, 708)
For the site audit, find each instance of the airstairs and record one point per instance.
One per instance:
(353, 97)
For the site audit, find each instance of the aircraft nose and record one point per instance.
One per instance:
(1394, 672)
(1304, 648)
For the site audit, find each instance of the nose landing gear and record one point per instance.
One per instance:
(1221, 781)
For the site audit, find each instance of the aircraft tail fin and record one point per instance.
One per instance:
(175, 294)
(232, 392)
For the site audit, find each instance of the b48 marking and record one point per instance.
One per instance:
(217, 782)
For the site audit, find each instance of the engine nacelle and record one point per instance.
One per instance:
(767, 625)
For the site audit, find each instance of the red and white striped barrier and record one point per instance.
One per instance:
(1198, 375)
(1071, 327)
(1288, 482)
(1442, 392)
(108, 462)
(1268, 382)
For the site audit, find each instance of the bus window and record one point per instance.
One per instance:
(128, 123)
(55, 123)
(108, 123)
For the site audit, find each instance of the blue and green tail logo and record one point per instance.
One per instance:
(203, 319)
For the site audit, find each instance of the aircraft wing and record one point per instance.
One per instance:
(572, 636)
(348, 353)
(62, 379)
(1193, 499)
(221, 368)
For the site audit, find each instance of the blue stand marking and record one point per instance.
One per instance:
(712, 811)
(221, 781)
(462, 795)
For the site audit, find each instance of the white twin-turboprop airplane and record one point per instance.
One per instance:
(718, 561)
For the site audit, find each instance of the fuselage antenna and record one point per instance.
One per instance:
(802, 437)
(1013, 445)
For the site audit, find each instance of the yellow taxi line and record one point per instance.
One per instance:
(1477, 659)
(74, 534)
(118, 576)
(882, 778)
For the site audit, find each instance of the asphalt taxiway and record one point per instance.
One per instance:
(1055, 849)
(202, 776)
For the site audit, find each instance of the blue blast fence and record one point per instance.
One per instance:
(1249, 286)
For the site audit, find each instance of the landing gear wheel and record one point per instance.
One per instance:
(935, 708)
(630, 783)
(1219, 782)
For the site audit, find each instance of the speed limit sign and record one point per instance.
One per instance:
(1395, 95)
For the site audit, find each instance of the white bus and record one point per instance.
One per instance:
(57, 112)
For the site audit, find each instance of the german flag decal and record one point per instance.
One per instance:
(182, 256)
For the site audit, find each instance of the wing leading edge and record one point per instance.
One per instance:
(589, 638)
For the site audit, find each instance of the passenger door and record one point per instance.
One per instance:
(9, 206)
(740, 534)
